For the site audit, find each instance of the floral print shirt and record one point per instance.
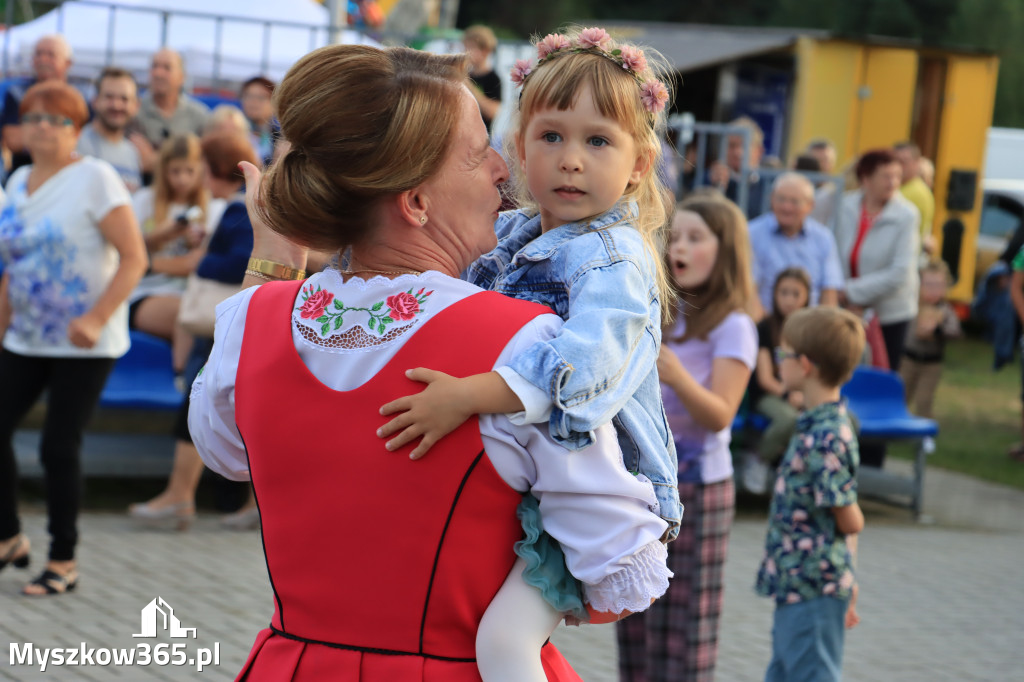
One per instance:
(805, 557)
(58, 262)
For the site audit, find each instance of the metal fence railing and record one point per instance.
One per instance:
(710, 142)
(13, 60)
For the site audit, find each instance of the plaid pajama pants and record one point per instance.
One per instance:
(676, 640)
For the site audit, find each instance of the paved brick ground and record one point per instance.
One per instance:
(939, 602)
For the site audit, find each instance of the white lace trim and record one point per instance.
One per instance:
(331, 280)
(633, 587)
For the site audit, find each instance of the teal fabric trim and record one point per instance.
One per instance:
(545, 563)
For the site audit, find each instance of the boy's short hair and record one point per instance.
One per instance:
(937, 267)
(830, 337)
(115, 72)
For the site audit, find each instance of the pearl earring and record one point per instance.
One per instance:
(423, 220)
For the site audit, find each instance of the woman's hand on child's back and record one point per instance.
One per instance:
(429, 415)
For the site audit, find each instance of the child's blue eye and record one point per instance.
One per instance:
(598, 141)
(551, 137)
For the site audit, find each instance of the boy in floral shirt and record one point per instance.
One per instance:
(808, 562)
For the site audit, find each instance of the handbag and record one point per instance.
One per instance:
(198, 310)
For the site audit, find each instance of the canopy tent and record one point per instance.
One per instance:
(223, 42)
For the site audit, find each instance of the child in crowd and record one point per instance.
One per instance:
(792, 291)
(705, 363)
(936, 321)
(814, 518)
(175, 213)
(586, 144)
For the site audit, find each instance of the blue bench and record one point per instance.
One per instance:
(877, 398)
(143, 379)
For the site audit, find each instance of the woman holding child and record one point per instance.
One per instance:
(302, 367)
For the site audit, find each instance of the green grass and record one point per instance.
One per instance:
(979, 415)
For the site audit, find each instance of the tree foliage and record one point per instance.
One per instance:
(986, 24)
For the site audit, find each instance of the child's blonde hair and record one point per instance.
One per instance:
(937, 267)
(555, 83)
(830, 337)
(177, 148)
(730, 285)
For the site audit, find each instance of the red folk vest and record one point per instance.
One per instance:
(381, 567)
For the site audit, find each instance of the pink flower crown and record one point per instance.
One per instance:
(653, 93)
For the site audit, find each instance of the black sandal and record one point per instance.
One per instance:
(19, 561)
(53, 583)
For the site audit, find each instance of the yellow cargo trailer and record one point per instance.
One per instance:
(860, 94)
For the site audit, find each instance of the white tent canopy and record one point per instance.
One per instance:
(257, 37)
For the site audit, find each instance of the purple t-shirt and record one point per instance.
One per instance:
(704, 455)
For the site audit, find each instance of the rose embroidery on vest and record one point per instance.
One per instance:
(404, 306)
(324, 308)
(313, 307)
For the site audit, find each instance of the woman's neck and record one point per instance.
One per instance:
(392, 261)
(48, 165)
(873, 204)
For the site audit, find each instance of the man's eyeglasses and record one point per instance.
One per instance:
(782, 354)
(55, 120)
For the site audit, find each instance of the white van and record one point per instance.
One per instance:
(1004, 154)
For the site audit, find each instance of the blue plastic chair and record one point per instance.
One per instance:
(878, 400)
(143, 379)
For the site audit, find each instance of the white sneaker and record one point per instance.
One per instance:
(755, 474)
(928, 445)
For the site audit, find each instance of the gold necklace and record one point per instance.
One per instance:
(382, 272)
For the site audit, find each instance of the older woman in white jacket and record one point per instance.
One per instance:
(877, 236)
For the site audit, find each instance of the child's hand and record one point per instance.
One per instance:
(669, 366)
(432, 414)
(852, 619)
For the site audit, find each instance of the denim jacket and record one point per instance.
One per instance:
(601, 367)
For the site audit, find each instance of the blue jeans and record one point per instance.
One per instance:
(807, 641)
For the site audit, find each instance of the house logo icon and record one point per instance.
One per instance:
(158, 615)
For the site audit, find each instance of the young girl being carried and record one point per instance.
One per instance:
(587, 244)
(768, 397)
(705, 363)
(175, 214)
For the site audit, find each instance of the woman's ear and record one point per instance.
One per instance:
(412, 206)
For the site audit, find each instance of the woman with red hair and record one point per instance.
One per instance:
(72, 253)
